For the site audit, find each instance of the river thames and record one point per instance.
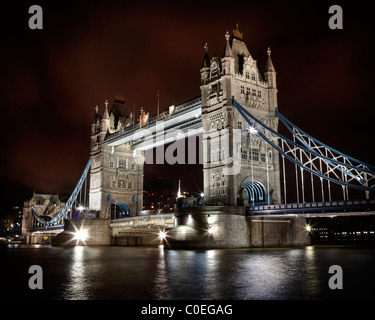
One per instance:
(140, 273)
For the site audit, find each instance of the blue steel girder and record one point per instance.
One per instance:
(310, 157)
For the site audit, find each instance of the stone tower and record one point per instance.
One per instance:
(238, 166)
(116, 177)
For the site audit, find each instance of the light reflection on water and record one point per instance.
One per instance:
(155, 273)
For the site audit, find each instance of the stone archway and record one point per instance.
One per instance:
(118, 210)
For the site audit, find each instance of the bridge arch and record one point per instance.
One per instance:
(119, 210)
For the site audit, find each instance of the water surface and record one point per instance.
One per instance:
(158, 274)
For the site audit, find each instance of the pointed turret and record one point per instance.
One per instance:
(269, 65)
(106, 113)
(206, 58)
(228, 49)
(105, 122)
(270, 76)
(205, 69)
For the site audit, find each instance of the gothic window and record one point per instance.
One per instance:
(253, 76)
(254, 92)
(239, 125)
(132, 166)
(111, 164)
(255, 155)
(263, 157)
(114, 185)
(247, 75)
(122, 164)
(259, 94)
(242, 89)
(247, 90)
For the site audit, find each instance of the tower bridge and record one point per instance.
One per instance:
(236, 120)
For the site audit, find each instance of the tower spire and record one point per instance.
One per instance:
(228, 50)
(269, 65)
(106, 114)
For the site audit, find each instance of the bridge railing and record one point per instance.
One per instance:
(47, 228)
(327, 206)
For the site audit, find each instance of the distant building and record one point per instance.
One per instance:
(10, 223)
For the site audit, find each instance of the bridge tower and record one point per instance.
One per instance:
(116, 177)
(238, 166)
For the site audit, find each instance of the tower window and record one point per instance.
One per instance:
(122, 164)
(253, 76)
(242, 89)
(239, 125)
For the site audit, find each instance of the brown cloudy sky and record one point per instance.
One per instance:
(88, 51)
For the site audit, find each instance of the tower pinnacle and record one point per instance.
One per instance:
(269, 65)
(237, 34)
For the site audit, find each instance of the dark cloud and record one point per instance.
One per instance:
(89, 51)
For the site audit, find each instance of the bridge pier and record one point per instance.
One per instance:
(227, 227)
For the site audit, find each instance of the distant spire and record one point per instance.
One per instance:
(179, 195)
(269, 65)
(228, 50)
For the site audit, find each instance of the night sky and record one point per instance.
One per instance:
(89, 51)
